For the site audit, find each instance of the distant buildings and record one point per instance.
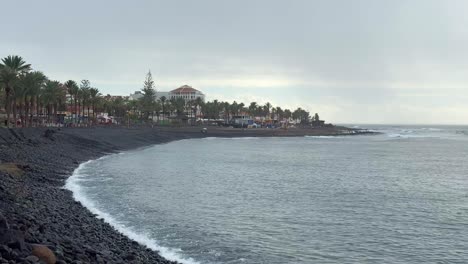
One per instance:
(185, 92)
(135, 96)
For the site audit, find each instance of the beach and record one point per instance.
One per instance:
(37, 212)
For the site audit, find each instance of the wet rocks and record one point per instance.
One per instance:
(39, 220)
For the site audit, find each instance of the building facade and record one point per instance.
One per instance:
(187, 93)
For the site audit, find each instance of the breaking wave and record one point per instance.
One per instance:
(73, 184)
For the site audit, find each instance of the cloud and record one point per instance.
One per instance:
(355, 61)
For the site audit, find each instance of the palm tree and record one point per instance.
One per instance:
(199, 101)
(85, 97)
(279, 113)
(94, 93)
(78, 97)
(216, 109)
(189, 105)
(31, 84)
(234, 108)
(73, 90)
(163, 104)
(287, 114)
(52, 97)
(240, 108)
(253, 109)
(267, 108)
(39, 83)
(226, 107)
(179, 105)
(83, 94)
(157, 109)
(10, 68)
(18, 97)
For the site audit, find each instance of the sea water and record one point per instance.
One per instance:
(397, 197)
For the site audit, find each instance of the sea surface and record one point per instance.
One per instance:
(397, 197)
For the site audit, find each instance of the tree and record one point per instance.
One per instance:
(157, 109)
(73, 90)
(253, 109)
(18, 97)
(179, 105)
(85, 96)
(316, 117)
(287, 114)
(163, 105)
(10, 69)
(240, 108)
(301, 115)
(226, 107)
(94, 95)
(279, 113)
(31, 83)
(190, 105)
(149, 96)
(53, 97)
(267, 108)
(198, 105)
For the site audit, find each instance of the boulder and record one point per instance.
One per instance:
(44, 254)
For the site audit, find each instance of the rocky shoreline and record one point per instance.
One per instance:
(39, 220)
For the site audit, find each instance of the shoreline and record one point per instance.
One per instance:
(36, 164)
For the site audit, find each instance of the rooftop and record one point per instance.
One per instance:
(185, 89)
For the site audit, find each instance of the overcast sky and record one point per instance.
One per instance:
(395, 61)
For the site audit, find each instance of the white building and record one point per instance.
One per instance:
(187, 93)
(135, 96)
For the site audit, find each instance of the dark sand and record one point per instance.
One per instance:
(35, 209)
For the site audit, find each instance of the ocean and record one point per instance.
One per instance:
(397, 197)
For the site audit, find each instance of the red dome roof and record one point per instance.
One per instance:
(184, 89)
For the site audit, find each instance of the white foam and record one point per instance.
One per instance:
(396, 135)
(73, 185)
(210, 138)
(323, 137)
(431, 129)
(232, 138)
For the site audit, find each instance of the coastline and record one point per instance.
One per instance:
(39, 210)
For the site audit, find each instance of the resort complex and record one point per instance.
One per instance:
(186, 92)
(31, 99)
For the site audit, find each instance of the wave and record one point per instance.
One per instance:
(396, 135)
(462, 132)
(233, 138)
(323, 136)
(431, 129)
(73, 185)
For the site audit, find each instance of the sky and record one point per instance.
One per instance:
(352, 61)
